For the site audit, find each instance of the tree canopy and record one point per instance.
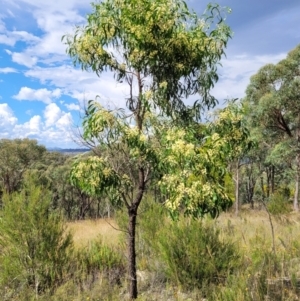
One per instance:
(273, 95)
(170, 51)
(16, 156)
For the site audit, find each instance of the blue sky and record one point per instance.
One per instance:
(42, 94)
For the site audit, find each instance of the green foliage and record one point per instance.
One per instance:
(162, 40)
(191, 169)
(97, 274)
(229, 186)
(99, 258)
(194, 165)
(279, 204)
(274, 92)
(17, 156)
(94, 176)
(188, 253)
(53, 171)
(35, 248)
(273, 101)
(235, 289)
(194, 254)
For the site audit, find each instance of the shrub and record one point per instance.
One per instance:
(194, 254)
(279, 204)
(188, 254)
(99, 259)
(35, 248)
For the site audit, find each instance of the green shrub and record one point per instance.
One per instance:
(235, 289)
(35, 249)
(279, 204)
(194, 253)
(99, 259)
(186, 253)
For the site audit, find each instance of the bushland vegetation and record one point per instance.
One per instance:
(48, 255)
(159, 175)
(44, 257)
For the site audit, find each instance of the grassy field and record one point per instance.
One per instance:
(245, 227)
(88, 230)
(254, 224)
(269, 269)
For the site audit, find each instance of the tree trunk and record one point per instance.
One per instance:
(273, 180)
(133, 292)
(296, 196)
(268, 171)
(108, 210)
(98, 209)
(237, 184)
(250, 185)
(139, 112)
(262, 188)
(132, 215)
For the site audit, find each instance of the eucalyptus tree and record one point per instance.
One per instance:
(274, 94)
(165, 53)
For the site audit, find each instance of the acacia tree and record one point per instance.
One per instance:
(165, 53)
(234, 125)
(273, 94)
(189, 170)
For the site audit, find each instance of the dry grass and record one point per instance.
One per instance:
(250, 231)
(252, 226)
(245, 227)
(88, 230)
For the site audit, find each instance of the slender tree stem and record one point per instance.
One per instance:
(133, 291)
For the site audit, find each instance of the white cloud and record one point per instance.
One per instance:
(76, 83)
(23, 58)
(64, 122)
(53, 20)
(7, 40)
(7, 115)
(11, 37)
(10, 13)
(2, 25)
(236, 72)
(7, 120)
(8, 70)
(62, 76)
(72, 107)
(43, 95)
(35, 123)
(55, 117)
(21, 35)
(52, 7)
(62, 135)
(52, 113)
(55, 129)
(32, 127)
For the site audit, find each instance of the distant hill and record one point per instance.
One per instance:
(68, 150)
